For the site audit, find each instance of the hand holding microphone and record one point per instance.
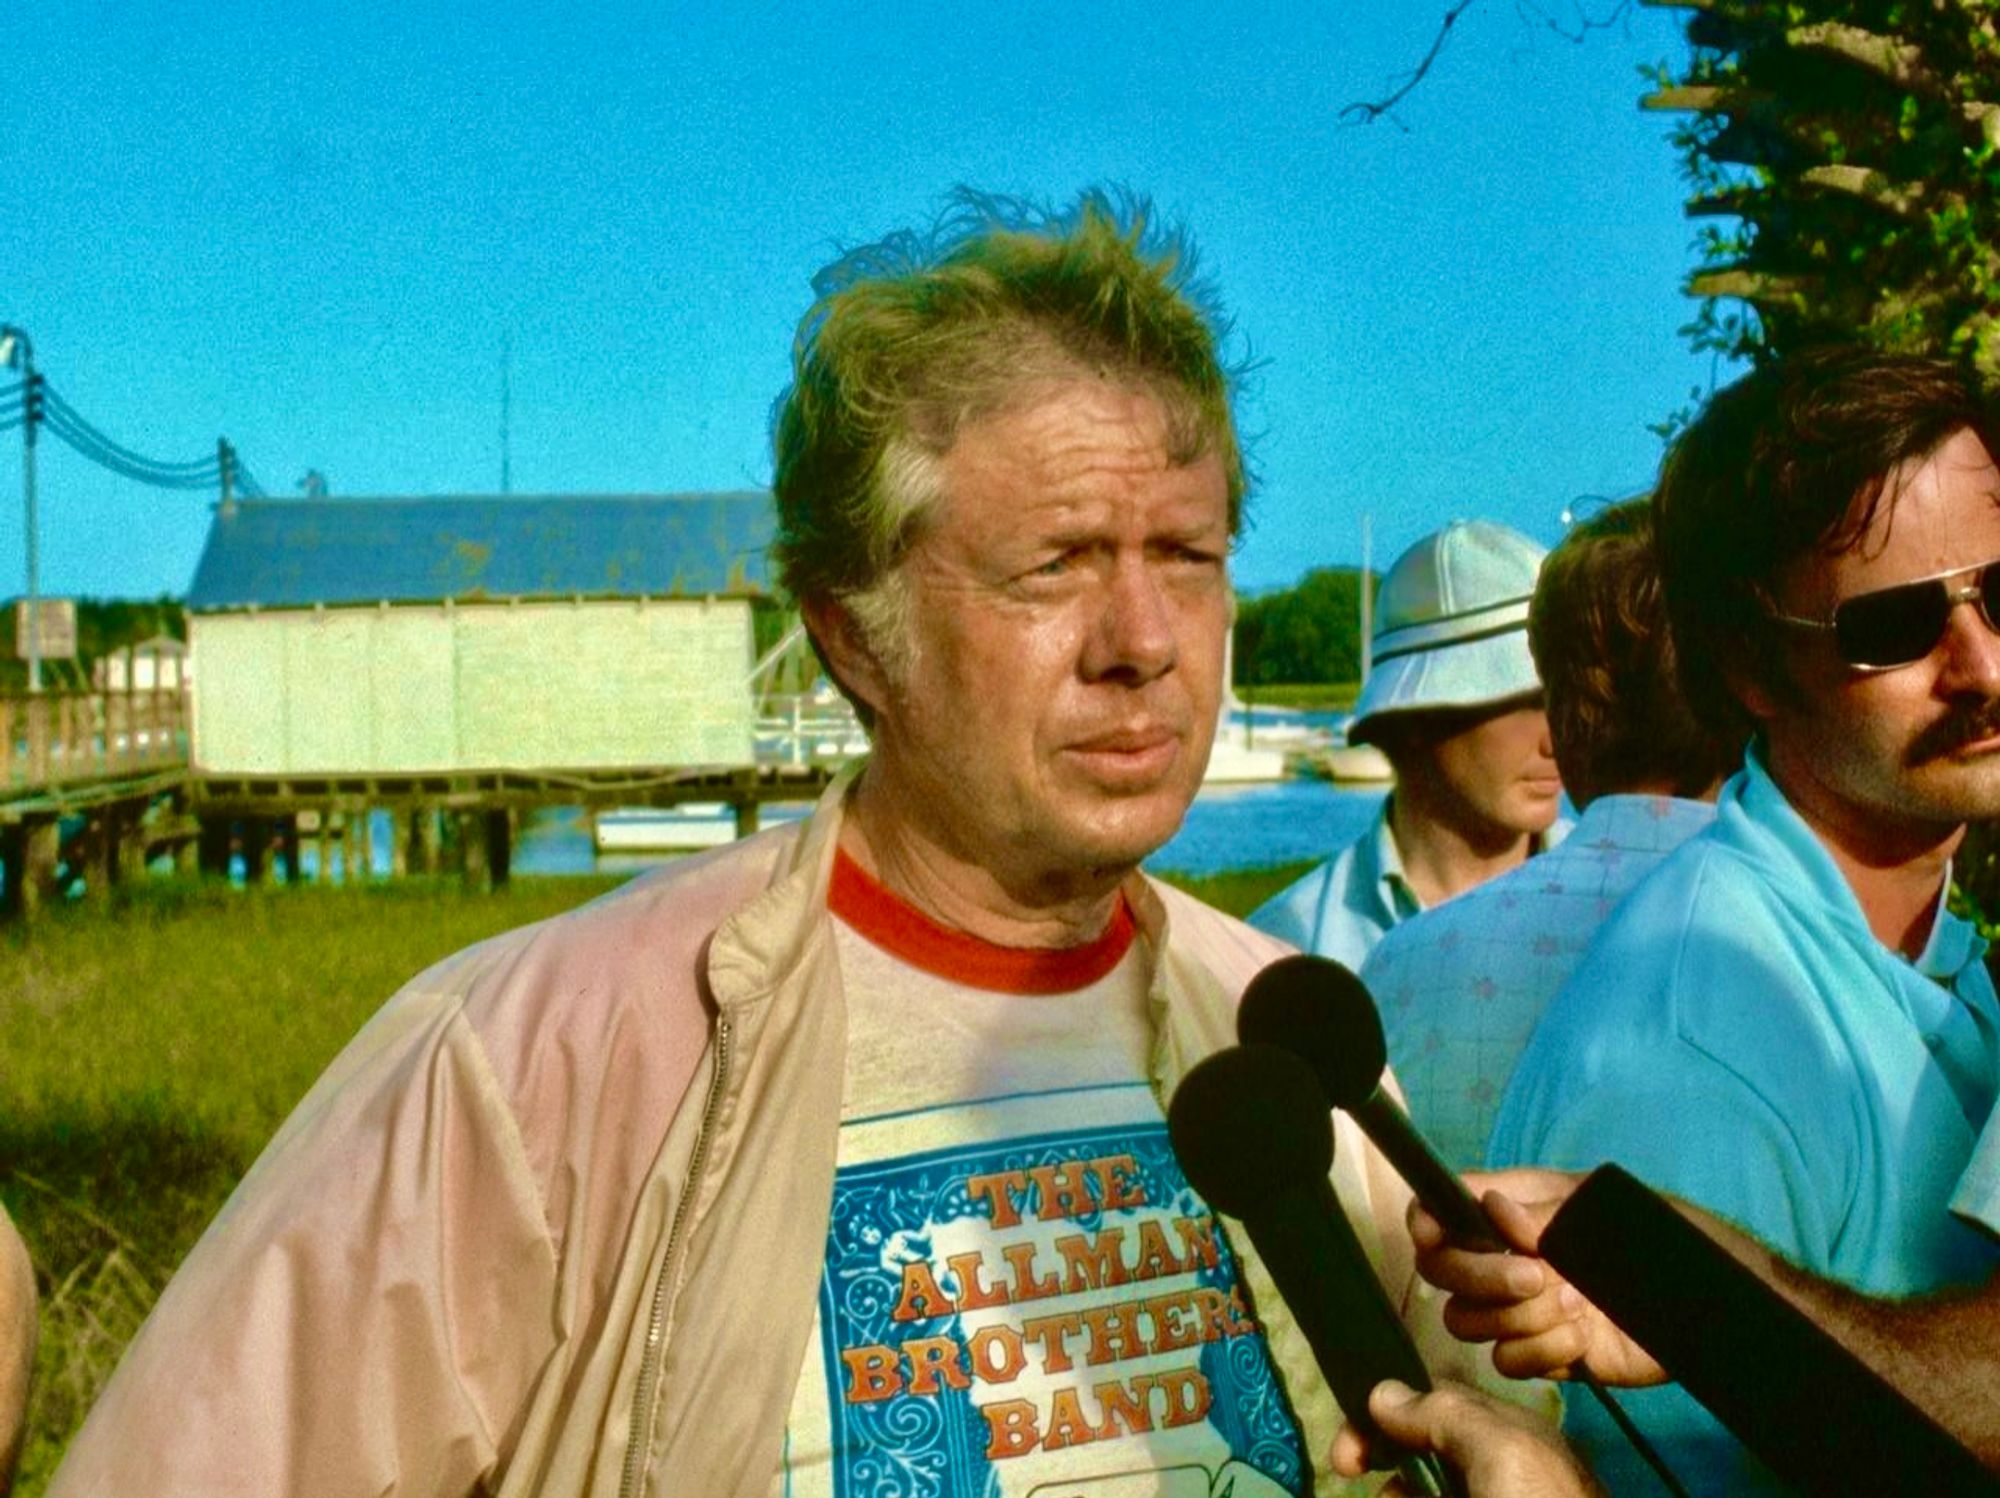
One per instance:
(1540, 1326)
(1321, 1012)
(1503, 1451)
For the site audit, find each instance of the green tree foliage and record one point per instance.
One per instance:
(1306, 633)
(1842, 155)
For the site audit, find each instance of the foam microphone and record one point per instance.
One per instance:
(1816, 1415)
(1251, 1129)
(1323, 1014)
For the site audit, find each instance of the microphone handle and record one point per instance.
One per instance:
(1306, 1243)
(1435, 1183)
(1820, 1418)
(1465, 1223)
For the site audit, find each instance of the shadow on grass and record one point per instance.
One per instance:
(137, 1179)
(108, 1205)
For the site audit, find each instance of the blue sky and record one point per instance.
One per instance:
(309, 227)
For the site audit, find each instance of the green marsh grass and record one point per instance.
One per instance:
(148, 1050)
(1238, 891)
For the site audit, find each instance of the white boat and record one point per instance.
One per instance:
(662, 829)
(1230, 762)
(1343, 761)
(1355, 762)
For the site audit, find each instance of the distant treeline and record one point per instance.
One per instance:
(103, 626)
(1307, 633)
(1304, 634)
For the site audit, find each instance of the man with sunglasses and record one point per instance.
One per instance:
(1784, 1024)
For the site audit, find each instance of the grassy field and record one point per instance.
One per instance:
(147, 1052)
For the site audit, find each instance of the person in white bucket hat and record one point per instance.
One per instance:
(1455, 704)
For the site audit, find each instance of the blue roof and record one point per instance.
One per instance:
(295, 553)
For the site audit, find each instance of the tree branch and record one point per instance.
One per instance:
(1899, 62)
(1578, 29)
(1575, 27)
(1369, 113)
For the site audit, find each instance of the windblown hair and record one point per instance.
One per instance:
(1795, 457)
(915, 337)
(1598, 628)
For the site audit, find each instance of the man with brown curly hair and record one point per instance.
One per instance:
(1785, 1023)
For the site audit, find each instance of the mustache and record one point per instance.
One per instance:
(1961, 726)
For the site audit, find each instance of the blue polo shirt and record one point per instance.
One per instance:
(1977, 1198)
(1342, 908)
(1737, 1036)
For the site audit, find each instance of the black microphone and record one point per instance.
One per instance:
(1815, 1414)
(1319, 1011)
(1322, 1013)
(1251, 1129)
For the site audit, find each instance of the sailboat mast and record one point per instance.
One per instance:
(1367, 603)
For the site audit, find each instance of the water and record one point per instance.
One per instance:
(1252, 826)
(1228, 827)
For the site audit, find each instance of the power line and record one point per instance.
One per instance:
(143, 470)
(58, 407)
(37, 404)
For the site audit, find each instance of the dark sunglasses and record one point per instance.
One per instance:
(1894, 626)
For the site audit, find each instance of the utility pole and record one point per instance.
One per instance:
(17, 351)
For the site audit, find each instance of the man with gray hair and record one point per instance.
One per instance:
(833, 1161)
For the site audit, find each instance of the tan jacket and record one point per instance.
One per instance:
(552, 1223)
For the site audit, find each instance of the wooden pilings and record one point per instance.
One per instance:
(424, 841)
(486, 846)
(70, 837)
(29, 850)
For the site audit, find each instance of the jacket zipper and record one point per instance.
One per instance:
(649, 1361)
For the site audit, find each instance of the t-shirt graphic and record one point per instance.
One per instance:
(1040, 1313)
(1021, 1296)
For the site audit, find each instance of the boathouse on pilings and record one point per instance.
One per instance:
(466, 658)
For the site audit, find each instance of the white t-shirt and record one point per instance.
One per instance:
(1021, 1293)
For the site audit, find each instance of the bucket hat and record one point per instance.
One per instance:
(1451, 625)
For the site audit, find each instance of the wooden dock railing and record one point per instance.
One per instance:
(59, 739)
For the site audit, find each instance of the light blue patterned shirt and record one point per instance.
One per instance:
(1462, 985)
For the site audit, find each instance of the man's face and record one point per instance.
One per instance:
(1894, 761)
(1070, 603)
(1501, 769)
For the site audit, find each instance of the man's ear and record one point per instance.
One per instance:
(1748, 688)
(844, 652)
